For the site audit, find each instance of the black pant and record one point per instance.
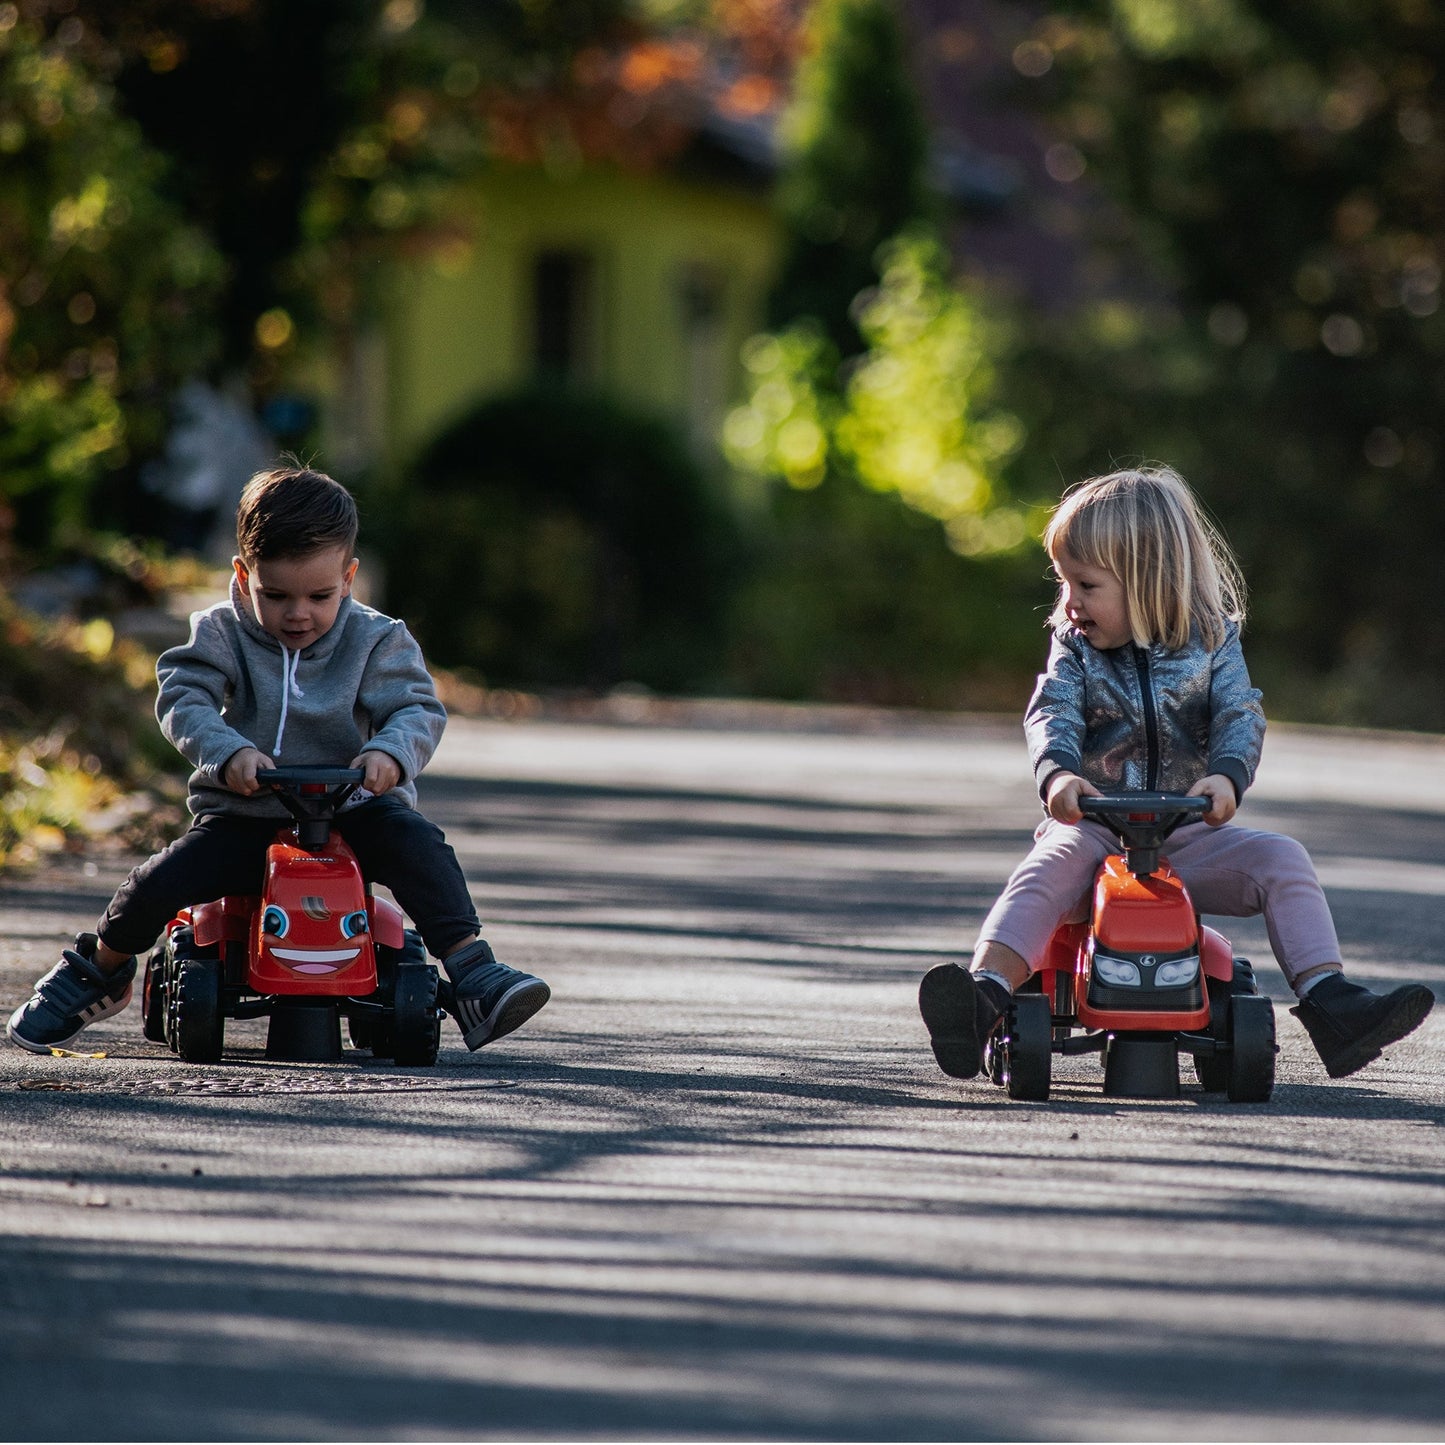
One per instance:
(220, 855)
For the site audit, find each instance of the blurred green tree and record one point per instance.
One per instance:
(855, 150)
(192, 185)
(870, 416)
(104, 289)
(1283, 171)
(298, 133)
(905, 417)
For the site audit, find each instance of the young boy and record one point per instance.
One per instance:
(293, 668)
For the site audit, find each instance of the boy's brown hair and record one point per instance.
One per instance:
(293, 512)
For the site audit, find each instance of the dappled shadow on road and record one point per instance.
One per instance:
(1351, 829)
(735, 1241)
(799, 872)
(569, 1120)
(498, 1318)
(715, 1204)
(297, 1351)
(771, 874)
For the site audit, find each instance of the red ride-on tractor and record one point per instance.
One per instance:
(316, 945)
(1142, 979)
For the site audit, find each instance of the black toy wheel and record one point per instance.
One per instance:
(993, 1057)
(1027, 1052)
(199, 1022)
(1252, 1049)
(1213, 1073)
(416, 1025)
(153, 1003)
(377, 1031)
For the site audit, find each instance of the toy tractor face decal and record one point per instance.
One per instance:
(319, 939)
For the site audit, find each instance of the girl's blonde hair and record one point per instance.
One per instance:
(1146, 527)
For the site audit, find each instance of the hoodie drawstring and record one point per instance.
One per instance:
(290, 663)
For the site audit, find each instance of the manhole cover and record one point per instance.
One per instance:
(249, 1085)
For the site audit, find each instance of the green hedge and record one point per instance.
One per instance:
(554, 538)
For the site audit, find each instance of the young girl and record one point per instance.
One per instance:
(1146, 689)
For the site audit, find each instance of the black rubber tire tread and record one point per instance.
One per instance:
(1213, 1074)
(1028, 1055)
(200, 1024)
(153, 997)
(379, 1030)
(416, 1028)
(1252, 1049)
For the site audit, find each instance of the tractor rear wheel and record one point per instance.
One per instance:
(1213, 1072)
(199, 1022)
(1252, 1050)
(417, 1025)
(1027, 1048)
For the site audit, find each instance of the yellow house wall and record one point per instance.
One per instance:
(458, 324)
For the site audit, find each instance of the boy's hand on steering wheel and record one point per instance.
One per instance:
(240, 772)
(1222, 801)
(1064, 791)
(383, 772)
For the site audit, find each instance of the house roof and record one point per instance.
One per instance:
(708, 103)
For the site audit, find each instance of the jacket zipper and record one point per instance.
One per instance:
(1151, 722)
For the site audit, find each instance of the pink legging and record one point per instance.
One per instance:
(1234, 872)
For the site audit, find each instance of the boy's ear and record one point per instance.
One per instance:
(347, 578)
(243, 576)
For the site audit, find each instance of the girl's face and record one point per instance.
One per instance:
(1094, 602)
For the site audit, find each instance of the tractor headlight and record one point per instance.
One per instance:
(1116, 971)
(1177, 973)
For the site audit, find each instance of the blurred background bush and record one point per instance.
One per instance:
(561, 539)
(738, 346)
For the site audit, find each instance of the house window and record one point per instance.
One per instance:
(702, 295)
(562, 285)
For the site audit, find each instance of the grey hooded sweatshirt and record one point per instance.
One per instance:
(364, 684)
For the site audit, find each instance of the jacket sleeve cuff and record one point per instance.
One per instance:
(404, 758)
(219, 752)
(1235, 770)
(1050, 764)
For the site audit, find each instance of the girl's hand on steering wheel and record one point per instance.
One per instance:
(1222, 801)
(1064, 791)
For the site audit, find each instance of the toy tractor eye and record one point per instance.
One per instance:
(355, 923)
(275, 921)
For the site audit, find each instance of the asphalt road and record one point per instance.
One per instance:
(718, 1188)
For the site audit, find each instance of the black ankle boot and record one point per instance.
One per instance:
(1349, 1025)
(961, 1011)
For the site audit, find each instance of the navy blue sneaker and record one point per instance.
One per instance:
(488, 998)
(74, 994)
